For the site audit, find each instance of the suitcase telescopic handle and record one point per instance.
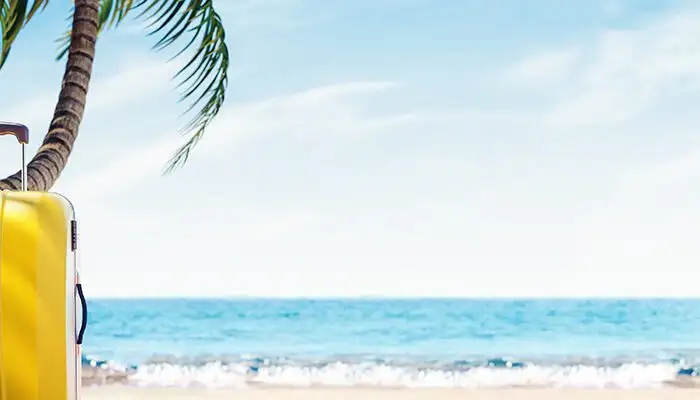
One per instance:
(21, 132)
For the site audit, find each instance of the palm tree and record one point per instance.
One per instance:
(204, 76)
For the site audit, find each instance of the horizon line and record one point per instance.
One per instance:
(397, 298)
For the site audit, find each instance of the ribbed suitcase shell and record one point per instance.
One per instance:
(39, 357)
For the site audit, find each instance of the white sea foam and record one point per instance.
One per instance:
(632, 375)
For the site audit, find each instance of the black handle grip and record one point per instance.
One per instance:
(83, 322)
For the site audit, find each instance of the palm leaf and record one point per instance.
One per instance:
(14, 15)
(204, 77)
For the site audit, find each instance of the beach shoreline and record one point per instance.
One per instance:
(135, 393)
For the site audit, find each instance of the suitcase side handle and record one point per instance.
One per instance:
(83, 306)
(21, 132)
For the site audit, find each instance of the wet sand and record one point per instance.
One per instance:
(125, 393)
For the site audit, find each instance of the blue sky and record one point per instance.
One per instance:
(392, 148)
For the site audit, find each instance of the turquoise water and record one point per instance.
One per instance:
(396, 342)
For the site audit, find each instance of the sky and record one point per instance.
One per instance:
(402, 148)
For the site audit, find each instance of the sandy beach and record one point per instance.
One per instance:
(119, 393)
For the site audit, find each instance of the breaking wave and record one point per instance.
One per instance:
(251, 371)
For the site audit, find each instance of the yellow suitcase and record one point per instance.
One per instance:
(43, 313)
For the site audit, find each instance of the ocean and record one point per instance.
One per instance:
(393, 343)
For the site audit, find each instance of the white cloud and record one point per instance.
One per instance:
(542, 68)
(319, 109)
(628, 71)
(137, 77)
(134, 79)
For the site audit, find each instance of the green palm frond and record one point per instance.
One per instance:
(14, 15)
(204, 77)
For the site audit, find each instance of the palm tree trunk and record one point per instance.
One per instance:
(51, 158)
